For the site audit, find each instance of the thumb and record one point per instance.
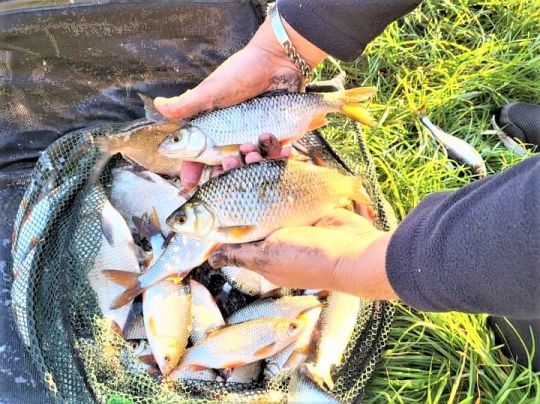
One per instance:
(186, 105)
(250, 256)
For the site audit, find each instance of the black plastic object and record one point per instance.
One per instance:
(71, 64)
(520, 120)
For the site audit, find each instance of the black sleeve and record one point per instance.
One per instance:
(342, 28)
(476, 250)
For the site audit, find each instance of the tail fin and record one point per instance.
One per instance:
(130, 281)
(349, 101)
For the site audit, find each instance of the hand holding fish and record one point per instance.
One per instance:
(343, 252)
(260, 67)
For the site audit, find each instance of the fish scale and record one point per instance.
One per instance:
(265, 196)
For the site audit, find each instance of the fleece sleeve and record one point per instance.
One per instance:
(475, 250)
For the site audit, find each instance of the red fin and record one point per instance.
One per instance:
(196, 368)
(317, 159)
(34, 242)
(232, 365)
(148, 360)
(116, 328)
(128, 280)
(266, 350)
(318, 122)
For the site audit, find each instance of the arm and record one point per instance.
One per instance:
(475, 250)
(264, 66)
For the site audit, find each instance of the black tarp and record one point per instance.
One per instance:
(66, 65)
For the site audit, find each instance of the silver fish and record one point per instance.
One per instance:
(136, 193)
(245, 374)
(206, 314)
(458, 149)
(117, 250)
(338, 320)
(209, 137)
(167, 321)
(248, 282)
(303, 388)
(136, 330)
(183, 253)
(286, 307)
(241, 344)
(248, 203)
(21, 293)
(207, 375)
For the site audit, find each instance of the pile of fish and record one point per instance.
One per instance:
(229, 325)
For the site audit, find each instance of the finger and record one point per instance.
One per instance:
(343, 217)
(269, 145)
(191, 174)
(286, 152)
(185, 105)
(250, 256)
(253, 157)
(231, 162)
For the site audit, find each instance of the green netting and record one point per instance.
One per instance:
(56, 240)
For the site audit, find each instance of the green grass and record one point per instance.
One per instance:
(459, 60)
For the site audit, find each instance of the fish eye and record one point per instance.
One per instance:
(182, 217)
(175, 138)
(293, 327)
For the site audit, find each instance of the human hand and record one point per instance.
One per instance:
(342, 252)
(261, 66)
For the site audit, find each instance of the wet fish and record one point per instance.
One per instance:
(246, 374)
(458, 149)
(299, 351)
(135, 330)
(207, 375)
(143, 353)
(248, 203)
(286, 307)
(117, 250)
(240, 344)
(140, 143)
(183, 253)
(338, 320)
(136, 193)
(211, 136)
(303, 388)
(206, 314)
(167, 321)
(21, 296)
(248, 282)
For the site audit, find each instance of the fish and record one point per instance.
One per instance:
(135, 330)
(117, 249)
(246, 281)
(206, 313)
(256, 396)
(22, 297)
(167, 321)
(246, 374)
(458, 149)
(143, 353)
(338, 320)
(139, 144)
(250, 202)
(240, 344)
(304, 388)
(136, 193)
(286, 307)
(298, 352)
(209, 137)
(207, 375)
(183, 253)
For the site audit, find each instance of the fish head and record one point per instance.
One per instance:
(189, 142)
(289, 330)
(193, 217)
(169, 354)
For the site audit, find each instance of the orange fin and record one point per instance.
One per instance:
(148, 360)
(232, 365)
(266, 350)
(237, 232)
(196, 368)
(228, 149)
(318, 122)
(128, 280)
(116, 328)
(359, 94)
(359, 114)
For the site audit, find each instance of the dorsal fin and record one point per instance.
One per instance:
(150, 110)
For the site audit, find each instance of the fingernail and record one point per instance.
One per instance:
(217, 260)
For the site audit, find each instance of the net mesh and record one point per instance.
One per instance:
(57, 237)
